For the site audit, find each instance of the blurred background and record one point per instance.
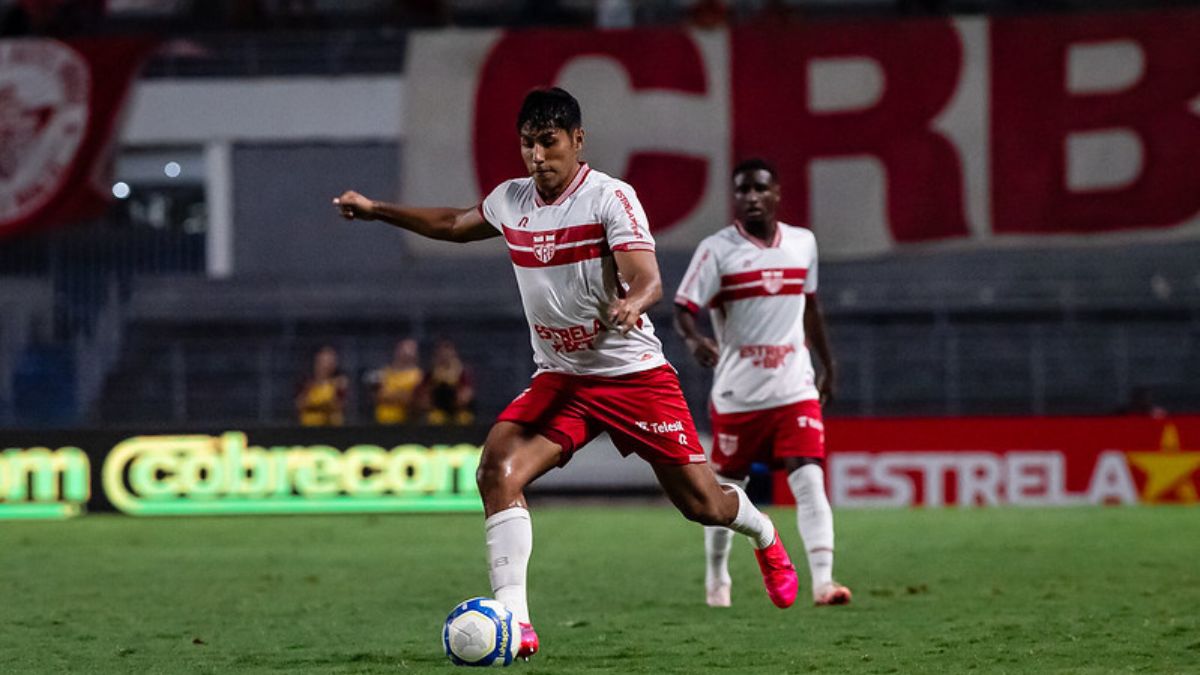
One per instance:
(993, 242)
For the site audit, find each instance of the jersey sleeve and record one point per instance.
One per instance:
(624, 220)
(490, 207)
(810, 279)
(701, 282)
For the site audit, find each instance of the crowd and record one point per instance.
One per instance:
(403, 391)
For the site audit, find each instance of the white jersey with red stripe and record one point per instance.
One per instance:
(562, 256)
(756, 296)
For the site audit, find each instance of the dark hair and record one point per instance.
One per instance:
(552, 108)
(755, 164)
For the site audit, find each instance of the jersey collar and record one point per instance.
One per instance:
(576, 182)
(755, 240)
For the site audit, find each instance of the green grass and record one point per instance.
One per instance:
(614, 590)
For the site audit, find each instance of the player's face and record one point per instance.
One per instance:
(551, 156)
(755, 196)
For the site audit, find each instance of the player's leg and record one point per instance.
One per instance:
(800, 447)
(739, 439)
(814, 519)
(694, 490)
(718, 541)
(512, 457)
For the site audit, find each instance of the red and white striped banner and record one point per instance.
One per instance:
(968, 131)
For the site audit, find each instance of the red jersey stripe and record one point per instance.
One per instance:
(759, 275)
(687, 304)
(755, 292)
(551, 256)
(566, 235)
(634, 246)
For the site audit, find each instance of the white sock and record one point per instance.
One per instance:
(509, 542)
(814, 519)
(750, 521)
(717, 542)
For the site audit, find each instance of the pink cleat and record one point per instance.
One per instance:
(831, 593)
(779, 575)
(529, 642)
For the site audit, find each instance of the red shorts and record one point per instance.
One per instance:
(643, 413)
(740, 439)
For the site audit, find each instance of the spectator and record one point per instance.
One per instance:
(322, 398)
(448, 387)
(396, 384)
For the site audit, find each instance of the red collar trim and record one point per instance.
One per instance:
(576, 182)
(758, 242)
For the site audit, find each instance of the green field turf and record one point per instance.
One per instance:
(614, 590)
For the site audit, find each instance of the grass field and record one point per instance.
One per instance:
(614, 590)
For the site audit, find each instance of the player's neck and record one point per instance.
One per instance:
(763, 230)
(552, 197)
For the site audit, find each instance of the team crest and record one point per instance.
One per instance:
(543, 247)
(727, 444)
(773, 281)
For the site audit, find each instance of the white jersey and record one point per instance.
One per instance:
(756, 296)
(562, 256)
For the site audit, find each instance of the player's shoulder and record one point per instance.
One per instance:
(603, 183)
(797, 233)
(724, 239)
(513, 189)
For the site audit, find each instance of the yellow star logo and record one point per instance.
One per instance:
(1168, 471)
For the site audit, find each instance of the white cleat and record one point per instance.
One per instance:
(831, 593)
(718, 595)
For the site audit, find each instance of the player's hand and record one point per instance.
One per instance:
(704, 350)
(825, 387)
(623, 316)
(352, 205)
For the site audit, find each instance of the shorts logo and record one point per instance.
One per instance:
(524, 222)
(727, 444)
(675, 426)
(543, 247)
(44, 90)
(807, 422)
(773, 281)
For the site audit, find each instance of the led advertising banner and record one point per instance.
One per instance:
(1022, 461)
(231, 472)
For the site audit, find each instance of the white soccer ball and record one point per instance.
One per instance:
(481, 632)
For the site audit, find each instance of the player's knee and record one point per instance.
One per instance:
(493, 475)
(703, 511)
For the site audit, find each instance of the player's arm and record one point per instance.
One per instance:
(703, 348)
(639, 269)
(444, 224)
(818, 341)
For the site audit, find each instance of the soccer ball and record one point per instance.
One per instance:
(480, 632)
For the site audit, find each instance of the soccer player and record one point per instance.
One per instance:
(759, 278)
(584, 260)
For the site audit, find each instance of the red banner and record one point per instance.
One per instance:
(59, 107)
(886, 133)
(1014, 461)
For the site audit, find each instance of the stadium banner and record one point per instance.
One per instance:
(60, 107)
(968, 131)
(60, 474)
(1028, 461)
